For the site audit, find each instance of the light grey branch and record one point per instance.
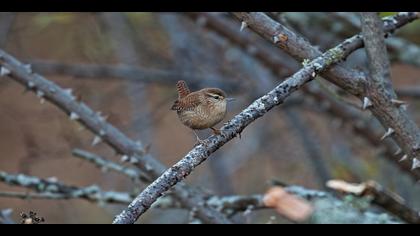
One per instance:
(110, 165)
(53, 189)
(95, 122)
(410, 92)
(234, 127)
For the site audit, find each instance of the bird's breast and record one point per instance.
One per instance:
(203, 117)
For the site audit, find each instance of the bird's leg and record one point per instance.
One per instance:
(199, 141)
(216, 131)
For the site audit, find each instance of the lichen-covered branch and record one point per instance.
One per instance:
(53, 189)
(104, 131)
(380, 196)
(233, 128)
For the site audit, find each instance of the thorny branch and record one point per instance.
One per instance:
(391, 115)
(366, 129)
(234, 127)
(104, 131)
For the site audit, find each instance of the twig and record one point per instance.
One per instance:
(53, 189)
(234, 127)
(110, 165)
(126, 72)
(411, 92)
(95, 122)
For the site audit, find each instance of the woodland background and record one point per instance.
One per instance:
(297, 143)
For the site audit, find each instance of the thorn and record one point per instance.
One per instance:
(366, 103)
(398, 103)
(96, 140)
(31, 84)
(389, 132)
(398, 152)
(313, 74)
(125, 158)
(276, 39)
(416, 164)
(243, 25)
(69, 92)
(74, 116)
(148, 167)
(40, 94)
(4, 71)
(133, 160)
(405, 157)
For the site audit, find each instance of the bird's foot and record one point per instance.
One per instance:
(216, 131)
(199, 141)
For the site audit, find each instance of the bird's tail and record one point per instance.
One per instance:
(182, 88)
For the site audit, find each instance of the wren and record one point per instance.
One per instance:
(201, 109)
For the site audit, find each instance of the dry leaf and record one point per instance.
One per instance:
(288, 205)
(343, 186)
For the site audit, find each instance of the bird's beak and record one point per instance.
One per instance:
(230, 99)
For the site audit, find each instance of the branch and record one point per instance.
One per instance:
(104, 131)
(110, 165)
(412, 92)
(53, 189)
(232, 128)
(392, 116)
(382, 197)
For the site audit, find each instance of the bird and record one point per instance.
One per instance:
(201, 109)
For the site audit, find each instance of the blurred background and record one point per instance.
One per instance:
(297, 143)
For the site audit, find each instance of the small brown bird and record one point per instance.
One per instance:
(201, 109)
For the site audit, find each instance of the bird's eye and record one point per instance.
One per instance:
(217, 97)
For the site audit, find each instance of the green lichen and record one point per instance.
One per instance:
(305, 62)
(334, 55)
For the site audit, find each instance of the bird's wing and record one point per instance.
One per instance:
(187, 103)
